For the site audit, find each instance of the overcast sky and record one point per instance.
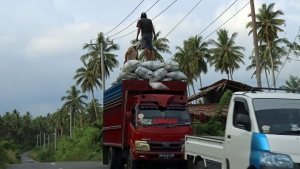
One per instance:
(41, 41)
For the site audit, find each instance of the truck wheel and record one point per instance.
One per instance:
(112, 158)
(183, 164)
(200, 165)
(131, 163)
(120, 160)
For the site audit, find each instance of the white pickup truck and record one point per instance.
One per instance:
(262, 132)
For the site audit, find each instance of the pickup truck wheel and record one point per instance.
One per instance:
(112, 158)
(131, 163)
(200, 165)
(183, 165)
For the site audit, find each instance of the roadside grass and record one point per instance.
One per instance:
(34, 155)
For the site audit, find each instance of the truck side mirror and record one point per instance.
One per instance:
(243, 121)
(128, 116)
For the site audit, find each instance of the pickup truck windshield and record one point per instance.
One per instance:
(153, 115)
(278, 116)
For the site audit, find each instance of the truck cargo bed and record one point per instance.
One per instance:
(208, 147)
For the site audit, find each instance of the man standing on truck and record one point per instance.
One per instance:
(132, 52)
(147, 28)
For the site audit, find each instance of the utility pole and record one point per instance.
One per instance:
(48, 141)
(44, 141)
(103, 77)
(255, 41)
(40, 138)
(37, 140)
(55, 139)
(70, 121)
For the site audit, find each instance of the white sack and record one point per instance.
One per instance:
(167, 79)
(143, 72)
(176, 75)
(152, 65)
(157, 85)
(131, 65)
(172, 66)
(127, 76)
(159, 74)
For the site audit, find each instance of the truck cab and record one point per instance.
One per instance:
(262, 132)
(142, 125)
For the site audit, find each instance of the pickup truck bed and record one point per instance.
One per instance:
(209, 147)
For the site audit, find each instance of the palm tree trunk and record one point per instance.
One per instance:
(193, 88)
(228, 76)
(189, 93)
(231, 72)
(74, 117)
(81, 122)
(272, 63)
(95, 105)
(61, 131)
(267, 79)
(200, 80)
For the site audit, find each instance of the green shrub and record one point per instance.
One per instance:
(46, 155)
(8, 154)
(84, 146)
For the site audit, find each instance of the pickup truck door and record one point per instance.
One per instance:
(237, 139)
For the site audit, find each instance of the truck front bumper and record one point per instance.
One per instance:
(167, 156)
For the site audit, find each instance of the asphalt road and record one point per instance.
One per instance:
(59, 165)
(28, 163)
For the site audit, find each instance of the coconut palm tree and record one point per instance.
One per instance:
(8, 124)
(292, 84)
(226, 57)
(90, 117)
(200, 53)
(61, 120)
(277, 52)
(268, 25)
(26, 126)
(74, 100)
(160, 45)
(94, 51)
(88, 80)
(186, 65)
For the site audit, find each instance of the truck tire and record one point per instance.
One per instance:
(120, 160)
(112, 158)
(105, 155)
(200, 165)
(183, 164)
(132, 163)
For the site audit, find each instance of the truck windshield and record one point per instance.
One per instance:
(278, 116)
(153, 115)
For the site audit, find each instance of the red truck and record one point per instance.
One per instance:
(142, 125)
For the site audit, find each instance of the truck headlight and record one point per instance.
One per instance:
(276, 160)
(142, 146)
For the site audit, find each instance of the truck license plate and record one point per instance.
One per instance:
(166, 156)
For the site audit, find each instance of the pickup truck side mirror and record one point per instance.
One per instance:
(243, 121)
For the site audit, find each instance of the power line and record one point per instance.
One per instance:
(132, 22)
(224, 22)
(184, 17)
(227, 21)
(164, 9)
(152, 19)
(218, 17)
(288, 55)
(125, 18)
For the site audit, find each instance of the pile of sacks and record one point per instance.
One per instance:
(153, 70)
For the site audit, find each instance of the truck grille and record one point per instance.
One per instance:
(160, 146)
